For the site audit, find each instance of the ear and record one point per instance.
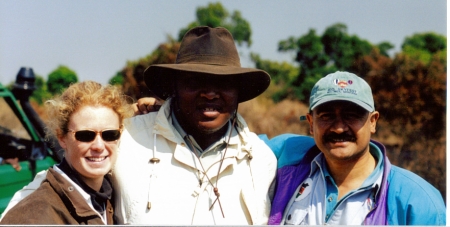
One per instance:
(373, 121)
(309, 117)
(61, 139)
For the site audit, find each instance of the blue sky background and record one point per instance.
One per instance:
(97, 38)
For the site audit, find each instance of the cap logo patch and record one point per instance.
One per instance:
(342, 83)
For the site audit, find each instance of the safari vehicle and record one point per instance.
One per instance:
(21, 137)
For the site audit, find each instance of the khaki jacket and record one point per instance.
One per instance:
(175, 191)
(55, 202)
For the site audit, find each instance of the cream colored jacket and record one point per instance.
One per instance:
(170, 193)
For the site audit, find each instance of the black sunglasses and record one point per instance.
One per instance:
(107, 135)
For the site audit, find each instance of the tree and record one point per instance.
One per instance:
(429, 41)
(281, 73)
(411, 96)
(215, 15)
(41, 94)
(312, 61)
(118, 79)
(384, 48)
(423, 46)
(133, 73)
(342, 48)
(60, 79)
(320, 55)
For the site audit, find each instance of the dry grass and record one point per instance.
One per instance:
(10, 123)
(265, 117)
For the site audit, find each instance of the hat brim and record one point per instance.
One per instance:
(330, 99)
(250, 82)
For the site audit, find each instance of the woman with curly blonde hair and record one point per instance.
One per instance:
(87, 121)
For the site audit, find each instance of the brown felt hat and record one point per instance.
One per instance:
(212, 52)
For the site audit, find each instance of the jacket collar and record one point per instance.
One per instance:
(164, 126)
(378, 216)
(69, 194)
(290, 176)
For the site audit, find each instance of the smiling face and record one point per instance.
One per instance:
(92, 160)
(342, 130)
(204, 104)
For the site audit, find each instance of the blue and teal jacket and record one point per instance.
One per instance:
(404, 197)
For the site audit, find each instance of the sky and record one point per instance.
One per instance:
(97, 38)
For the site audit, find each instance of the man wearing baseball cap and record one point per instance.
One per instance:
(342, 177)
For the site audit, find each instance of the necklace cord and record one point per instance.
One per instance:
(216, 189)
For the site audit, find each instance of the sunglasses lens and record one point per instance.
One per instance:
(111, 135)
(85, 135)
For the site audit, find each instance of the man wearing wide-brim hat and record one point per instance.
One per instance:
(195, 162)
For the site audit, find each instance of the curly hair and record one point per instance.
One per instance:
(87, 93)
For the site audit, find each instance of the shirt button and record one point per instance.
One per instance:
(330, 199)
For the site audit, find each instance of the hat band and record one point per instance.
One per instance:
(209, 60)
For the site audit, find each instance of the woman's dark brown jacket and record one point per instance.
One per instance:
(56, 201)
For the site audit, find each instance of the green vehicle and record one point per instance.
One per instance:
(23, 148)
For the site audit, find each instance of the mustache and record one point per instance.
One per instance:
(332, 137)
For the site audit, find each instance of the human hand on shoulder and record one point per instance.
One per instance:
(146, 105)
